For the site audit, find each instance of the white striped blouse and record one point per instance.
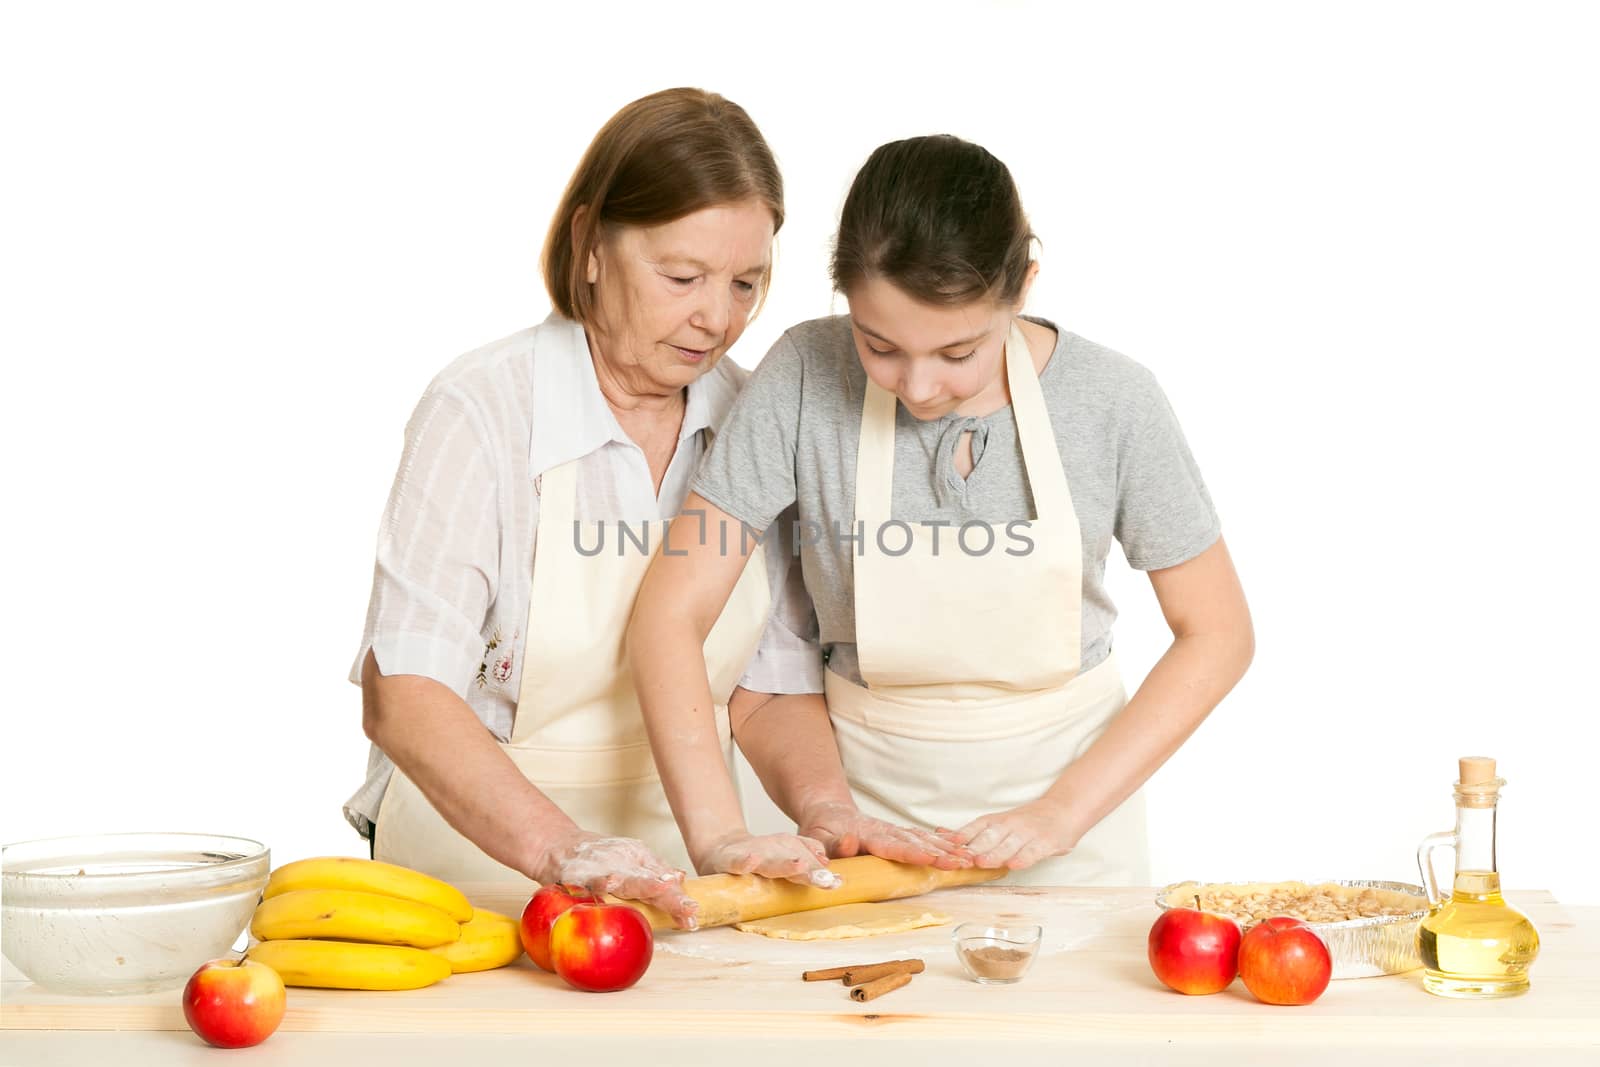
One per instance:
(455, 549)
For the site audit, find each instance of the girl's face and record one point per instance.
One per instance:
(936, 360)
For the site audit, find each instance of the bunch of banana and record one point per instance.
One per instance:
(345, 923)
(488, 940)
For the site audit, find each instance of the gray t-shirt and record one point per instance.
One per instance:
(792, 436)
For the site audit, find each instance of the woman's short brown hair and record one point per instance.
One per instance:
(660, 158)
(940, 218)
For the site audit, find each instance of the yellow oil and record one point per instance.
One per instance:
(1474, 944)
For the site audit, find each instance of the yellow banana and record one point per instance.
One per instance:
(346, 915)
(346, 965)
(488, 940)
(369, 876)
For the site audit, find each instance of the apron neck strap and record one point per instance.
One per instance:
(558, 504)
(875, 455)
(1041, 458)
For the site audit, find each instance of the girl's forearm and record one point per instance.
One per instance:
(788, 741)
(1183, 687)
(675, 698)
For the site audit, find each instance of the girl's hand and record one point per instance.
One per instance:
(801, 860)
(844, 831)
(1015, 839)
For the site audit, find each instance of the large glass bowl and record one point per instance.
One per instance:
(125, 913)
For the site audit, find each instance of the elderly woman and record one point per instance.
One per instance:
(537, 478)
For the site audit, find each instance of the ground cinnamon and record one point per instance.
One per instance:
(992, 961)
(875, 989)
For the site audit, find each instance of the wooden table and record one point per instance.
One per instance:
(719, 996)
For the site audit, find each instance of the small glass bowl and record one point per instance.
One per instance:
(126, 913)
(996, 955)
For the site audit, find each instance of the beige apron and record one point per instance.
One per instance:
(578, 733)
(973, 702)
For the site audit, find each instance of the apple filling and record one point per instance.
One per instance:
(1327, 902)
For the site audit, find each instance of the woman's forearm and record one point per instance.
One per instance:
(788, 741)
(434, 737)
(1193, 676)
(669, 672)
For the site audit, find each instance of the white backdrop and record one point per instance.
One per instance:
(1355, 242)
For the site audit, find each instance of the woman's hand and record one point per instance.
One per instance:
(1018, 838)
(801, 860)
(621, 866)
(844, 831)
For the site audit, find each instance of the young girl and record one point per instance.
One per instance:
(960, 471)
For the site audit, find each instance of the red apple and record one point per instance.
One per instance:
(1194, 951)
(234, 1003)
(542, 911)
(1283, 961)
(601, 947)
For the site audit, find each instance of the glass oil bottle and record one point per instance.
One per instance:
(1472, 943)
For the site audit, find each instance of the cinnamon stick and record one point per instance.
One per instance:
(861, 975)
(830, 974)
(887, 984)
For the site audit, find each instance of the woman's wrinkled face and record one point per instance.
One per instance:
(934, 359)
(670, 300)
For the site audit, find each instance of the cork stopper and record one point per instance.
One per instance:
(1476, 770)
(1478, 786)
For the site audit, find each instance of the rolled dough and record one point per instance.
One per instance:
(845, 921)
(732, 898)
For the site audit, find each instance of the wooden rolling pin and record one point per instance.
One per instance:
(736, 898)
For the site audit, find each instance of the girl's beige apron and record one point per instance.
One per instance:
(973, 701)
(578, 733)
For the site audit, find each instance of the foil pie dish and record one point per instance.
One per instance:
(1359, 948)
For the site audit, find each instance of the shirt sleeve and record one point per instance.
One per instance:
(438, 551)
(749, 472)
(789, 658)
(1164, 513)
